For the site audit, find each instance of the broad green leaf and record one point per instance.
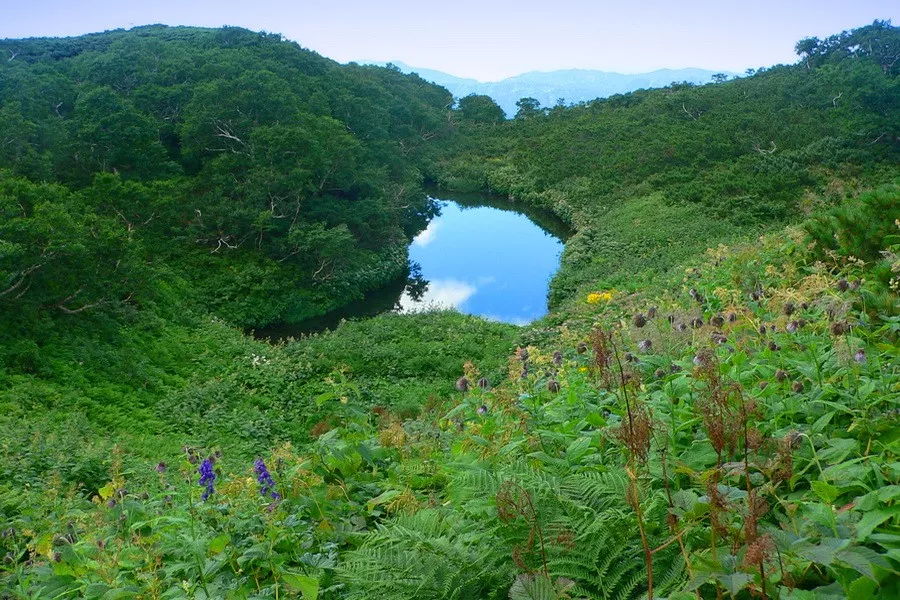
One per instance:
(863, 559)
(323, 398)
(218, 543)
(734, 582)
(306, 585)
(825, 491)
(578, 449)
(383, 498)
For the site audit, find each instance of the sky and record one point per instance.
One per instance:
(489, 40)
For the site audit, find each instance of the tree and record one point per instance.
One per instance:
(479, 108)
(528, 108)
(807, 48)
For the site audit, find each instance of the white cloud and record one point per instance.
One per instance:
(427, 236)
(442, 293)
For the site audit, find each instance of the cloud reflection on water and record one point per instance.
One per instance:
(441, 293)
(428, 235)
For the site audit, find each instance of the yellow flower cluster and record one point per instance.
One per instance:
(595, 297)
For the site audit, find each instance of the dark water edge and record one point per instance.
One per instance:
(374, 303)
(387, 298)
(543, 218)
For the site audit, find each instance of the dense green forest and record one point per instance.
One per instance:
(710, 410)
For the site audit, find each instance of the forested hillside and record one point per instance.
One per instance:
(653, 177)
(710, 410)
(278, 182)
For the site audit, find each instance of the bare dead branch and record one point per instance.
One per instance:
(222, 242)
(20, 279)
(771, 150)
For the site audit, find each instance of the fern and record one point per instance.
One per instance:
(426, 555)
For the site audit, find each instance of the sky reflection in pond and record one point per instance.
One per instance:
(485, 261)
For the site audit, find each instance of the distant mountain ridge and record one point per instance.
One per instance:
(572, 85)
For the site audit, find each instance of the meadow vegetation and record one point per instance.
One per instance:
(710, 410)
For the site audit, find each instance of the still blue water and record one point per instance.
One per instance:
(485, 261)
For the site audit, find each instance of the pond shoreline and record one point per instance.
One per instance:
(470, 215)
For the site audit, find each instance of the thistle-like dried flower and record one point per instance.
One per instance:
(718, 338)
(781, 375)
(793, 326)
(755, 296)
(482, 410)
(639, 320)
(629, 357)
(774, 347)
(842, 285)
(462, 384)
(693, 292)
(839, 328)
(161, 467)
(681, 327)
(483, 383)
(645, 345)
(793, 438)
(673, 368)
(659, 373)
(705, 358)
(801, 323)
(860, 356)
(763, 384)
(581, 348)
(697, 323)
(854, 285)
(797, 387)
(788, 308)
(762, 330)
(111, 503)
(717, 320)
(804, 305)
(651, 312)
(558, 358)
(553, 386)
(670, 318)
(732, 317)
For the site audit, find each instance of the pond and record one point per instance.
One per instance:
(480, 255)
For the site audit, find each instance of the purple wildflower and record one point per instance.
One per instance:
(860, 357)
(482, 410)
(645, 345)
(161, 467)
(207, 478)
(266, 483)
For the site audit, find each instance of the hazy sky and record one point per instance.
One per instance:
(490, 40)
